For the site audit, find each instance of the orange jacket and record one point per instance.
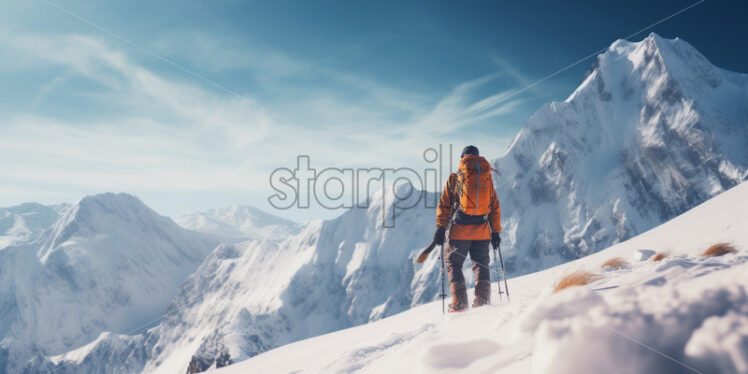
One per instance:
(466, 232)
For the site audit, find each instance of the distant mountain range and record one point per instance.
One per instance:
(239, 222)
(26, 222)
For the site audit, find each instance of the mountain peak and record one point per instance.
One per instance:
(670, 69)
(116, 214)
(656, 40)
(653, 40)
(653, 130)
(117, 262)
(110, 201)
(93, 212)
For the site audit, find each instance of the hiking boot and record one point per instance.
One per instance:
(459, 297)
(482, 293)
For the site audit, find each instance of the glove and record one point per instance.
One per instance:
(439, 235)
(495, 240)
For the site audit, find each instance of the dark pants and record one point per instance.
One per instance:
(458, 250)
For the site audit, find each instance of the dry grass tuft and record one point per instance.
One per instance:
(615, 263)
(719, 249)
(577, 278)
(659, 256)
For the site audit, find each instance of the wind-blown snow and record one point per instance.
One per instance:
(690, 311)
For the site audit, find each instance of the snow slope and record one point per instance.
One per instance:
(108, 263)
(25, 222)
(239, 222)
(654, 130)
(683, 314)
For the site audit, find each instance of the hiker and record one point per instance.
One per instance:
(469, 201)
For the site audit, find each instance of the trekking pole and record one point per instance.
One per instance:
(441, 275)
(506, 285)
(498, 273)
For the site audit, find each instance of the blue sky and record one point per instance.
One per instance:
(245, 86)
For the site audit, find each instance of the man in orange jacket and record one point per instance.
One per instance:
(469, 234)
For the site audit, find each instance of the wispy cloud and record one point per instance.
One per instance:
(165, 132)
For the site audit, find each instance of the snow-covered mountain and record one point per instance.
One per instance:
(684, 314)
(654, 130)
(252, 296)
(25, 222)
(108, 264)
(239, 222)
(334, 274)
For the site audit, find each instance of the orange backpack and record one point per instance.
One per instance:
(474, 186)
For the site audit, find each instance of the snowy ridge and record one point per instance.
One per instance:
(239, 222)
(109, 263)
(690, 308)
(654, 130)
